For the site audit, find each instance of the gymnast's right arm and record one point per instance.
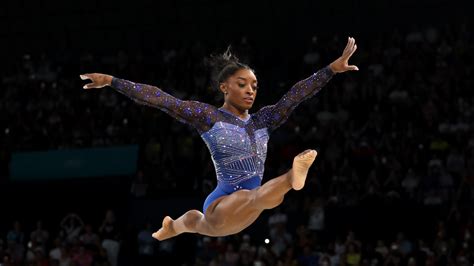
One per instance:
(191, 112)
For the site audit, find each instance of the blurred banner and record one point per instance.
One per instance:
(73, 163)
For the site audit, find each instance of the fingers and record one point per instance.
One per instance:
(348, 45)
(93, 78)
(351, 43)
(351, 47)
(89, 86)
(353, 50)
(353, 68)
(85, 76)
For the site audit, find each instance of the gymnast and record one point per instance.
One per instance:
(236, 140)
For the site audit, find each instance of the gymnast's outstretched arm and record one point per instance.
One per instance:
(198, 114)
(273, 116)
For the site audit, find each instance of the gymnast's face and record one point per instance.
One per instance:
(240, 89)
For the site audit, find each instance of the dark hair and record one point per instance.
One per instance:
(223, 66)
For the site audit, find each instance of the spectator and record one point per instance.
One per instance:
(40, 236)
(15, 241)
(110, 234)
(88, 238)
(71, 226)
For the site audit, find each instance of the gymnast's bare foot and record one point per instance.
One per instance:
(301, 164)
(166, 231)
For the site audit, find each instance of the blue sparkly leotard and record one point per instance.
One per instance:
(238, 146)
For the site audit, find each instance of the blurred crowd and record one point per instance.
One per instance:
(72, 242)
(397, 133)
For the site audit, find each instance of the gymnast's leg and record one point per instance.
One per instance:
(233, 213)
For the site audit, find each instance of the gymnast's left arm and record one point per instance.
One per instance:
(275, 115)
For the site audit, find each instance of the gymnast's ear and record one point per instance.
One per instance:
(223, 87)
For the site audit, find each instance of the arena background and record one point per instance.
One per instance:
(393, 182)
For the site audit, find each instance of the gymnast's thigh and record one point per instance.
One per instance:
(232, 213)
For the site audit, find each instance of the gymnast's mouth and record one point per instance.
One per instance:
(248, 99)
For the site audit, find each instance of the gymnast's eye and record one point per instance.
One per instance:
(241, 85)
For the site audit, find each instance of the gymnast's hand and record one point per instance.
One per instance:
(342, 63)
(98, 80)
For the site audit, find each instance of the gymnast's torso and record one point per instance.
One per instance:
(238, 147)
